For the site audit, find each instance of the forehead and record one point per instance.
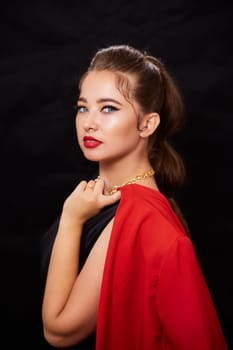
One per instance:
(102, 79)
(107, 82)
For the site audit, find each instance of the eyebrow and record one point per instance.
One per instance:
(100, 100)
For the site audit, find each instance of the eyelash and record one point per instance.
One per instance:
(79, 109)
(112, 109)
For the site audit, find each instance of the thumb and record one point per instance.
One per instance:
(112, 198)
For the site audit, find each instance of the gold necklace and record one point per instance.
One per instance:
(135, 179)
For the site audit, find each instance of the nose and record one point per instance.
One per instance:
(90, 121)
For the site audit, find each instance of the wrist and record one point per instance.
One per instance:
(71, 221)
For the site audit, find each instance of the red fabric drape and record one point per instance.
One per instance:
(154, 295)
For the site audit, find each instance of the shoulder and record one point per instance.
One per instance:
(150, 208)
(136, 197)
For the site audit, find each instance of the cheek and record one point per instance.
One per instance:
(120, 125)
(78, 129)
(124, 135)
(78, 124)
(128, 130)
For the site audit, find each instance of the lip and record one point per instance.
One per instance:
(91, 142)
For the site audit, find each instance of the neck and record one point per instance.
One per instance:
(138, 177)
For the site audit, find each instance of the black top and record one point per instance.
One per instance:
(91, 231)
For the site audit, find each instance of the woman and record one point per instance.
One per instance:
(138, 285)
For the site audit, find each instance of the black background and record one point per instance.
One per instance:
(45, 46)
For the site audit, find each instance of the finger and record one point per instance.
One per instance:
(110, 199)
(99, 184)
(82, 185)
(116, 196)
(90, 184)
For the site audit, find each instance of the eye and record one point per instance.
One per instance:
(109, 109)
(81, 109)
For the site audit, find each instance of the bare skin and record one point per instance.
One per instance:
(71, 300)
(70, 315)
(105, 114)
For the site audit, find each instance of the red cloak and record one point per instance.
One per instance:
(154, 295)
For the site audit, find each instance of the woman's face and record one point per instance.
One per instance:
(106, 122)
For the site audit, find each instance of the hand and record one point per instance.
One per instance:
(87, 200)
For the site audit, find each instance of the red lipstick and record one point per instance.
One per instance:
(91, 142)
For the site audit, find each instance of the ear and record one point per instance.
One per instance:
(149, 124)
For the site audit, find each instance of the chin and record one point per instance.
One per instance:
(91, 158)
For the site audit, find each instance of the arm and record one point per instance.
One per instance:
(70, 302)
(186, 309)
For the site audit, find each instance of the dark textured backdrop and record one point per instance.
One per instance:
(45, 45)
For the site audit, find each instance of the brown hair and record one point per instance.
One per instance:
(155, 91)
